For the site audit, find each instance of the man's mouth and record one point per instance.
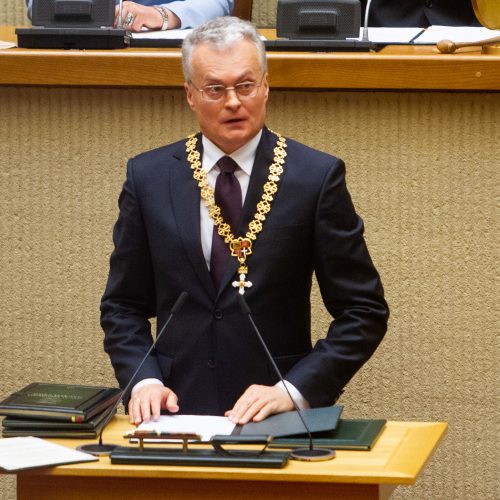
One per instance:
(234, 120)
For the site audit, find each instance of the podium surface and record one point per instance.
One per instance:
(397, 458)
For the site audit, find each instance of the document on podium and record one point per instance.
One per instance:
(18, 453)
(281, 424)
(205, 426)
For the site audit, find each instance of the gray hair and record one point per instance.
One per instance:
(221, 33)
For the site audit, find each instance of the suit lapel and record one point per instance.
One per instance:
(260, 170)
(186, 206)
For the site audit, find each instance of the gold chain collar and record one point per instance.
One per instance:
(240, 247)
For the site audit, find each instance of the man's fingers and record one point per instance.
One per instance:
(257, 403)
(155, 409)
(135, 410)
(148, 402)
(171, 402)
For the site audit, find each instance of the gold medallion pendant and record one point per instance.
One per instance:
(240, 247)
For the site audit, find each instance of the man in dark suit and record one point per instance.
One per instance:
(420, 13)
(293, 216)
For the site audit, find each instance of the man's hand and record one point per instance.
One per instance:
(149, 400)
(136, 16)
(258, 402)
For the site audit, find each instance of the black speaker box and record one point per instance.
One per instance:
(318, 19)
(73, 13)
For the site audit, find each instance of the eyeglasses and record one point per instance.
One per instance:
(243, 90)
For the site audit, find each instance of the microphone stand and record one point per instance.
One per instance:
(365, 37)
(119, 24)
(310, 454)
(105, 449)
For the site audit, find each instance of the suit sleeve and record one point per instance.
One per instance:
(352, 293)
(129, 299)
(192, 13)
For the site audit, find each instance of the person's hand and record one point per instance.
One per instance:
(148, 401)
(136, 16)
(258, 402)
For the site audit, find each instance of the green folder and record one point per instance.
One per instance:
(357, 434)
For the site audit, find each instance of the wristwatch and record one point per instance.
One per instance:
(164, 15)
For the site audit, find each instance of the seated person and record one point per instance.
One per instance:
(420, 13)
(167, 14)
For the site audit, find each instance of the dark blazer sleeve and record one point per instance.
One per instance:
(129, 299)
(352, 293)
(415, 13)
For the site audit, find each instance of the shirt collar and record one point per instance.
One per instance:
(244, 156)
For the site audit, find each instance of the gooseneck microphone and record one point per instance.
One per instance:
(310, 454)
(119, 24)
(365, 37)
(106, 449)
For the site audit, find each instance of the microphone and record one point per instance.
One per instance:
(310, 454)
(106, 449)
(365, 37)
(119, 24)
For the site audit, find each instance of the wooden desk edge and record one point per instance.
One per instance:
(393, 68)
(400, 468)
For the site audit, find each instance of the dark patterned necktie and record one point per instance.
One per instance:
(228, 198)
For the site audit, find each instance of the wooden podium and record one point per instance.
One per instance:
(396, 459)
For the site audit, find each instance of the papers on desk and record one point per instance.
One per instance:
(162, 35)
(7, 45)
(434, 34)
(204, 425)
(391, 35)
(19, 453)
(429, 36)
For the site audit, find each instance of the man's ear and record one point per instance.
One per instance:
(265, 84)
(189, 95)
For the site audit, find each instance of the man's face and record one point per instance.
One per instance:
(232, 121)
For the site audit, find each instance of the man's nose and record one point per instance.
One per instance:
(232, 99)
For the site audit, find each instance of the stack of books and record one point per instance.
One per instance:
(57, 410)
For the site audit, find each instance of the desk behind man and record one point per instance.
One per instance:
(299, 218)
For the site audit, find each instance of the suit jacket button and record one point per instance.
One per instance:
(218, 314)
(211, 363)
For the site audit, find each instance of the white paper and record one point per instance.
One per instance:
(434, 34)
(204, 425)
(6, 45)
(391, 35)
(163, 35)
(18, 453)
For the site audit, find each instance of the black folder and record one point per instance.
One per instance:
(197, 457)
(355, 434)
(16, 427)
(290, 424)
(63, 402)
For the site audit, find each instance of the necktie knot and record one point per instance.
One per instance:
(227, 165)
